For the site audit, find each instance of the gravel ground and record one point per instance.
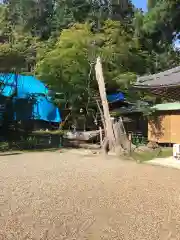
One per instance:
(69, 196)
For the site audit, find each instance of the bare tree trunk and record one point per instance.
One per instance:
(109, 133)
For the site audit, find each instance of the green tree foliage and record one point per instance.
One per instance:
(161, 21)
(68, 67)
(60, 40)
(151, 4)
(31, 16)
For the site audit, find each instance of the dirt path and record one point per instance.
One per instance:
(53, 196)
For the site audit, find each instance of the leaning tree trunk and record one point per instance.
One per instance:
(115, 136)
(110, 141)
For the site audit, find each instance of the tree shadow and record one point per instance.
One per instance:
(156, 128)
(9, 154)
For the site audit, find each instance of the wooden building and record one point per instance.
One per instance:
(163, 125)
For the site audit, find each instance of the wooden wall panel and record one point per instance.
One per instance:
(175, 128)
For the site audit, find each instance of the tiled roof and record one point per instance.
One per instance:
(167, 78)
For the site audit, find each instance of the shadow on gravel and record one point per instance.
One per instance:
(9, 154)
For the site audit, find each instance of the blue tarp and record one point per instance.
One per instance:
(31, 98)
(115, 97)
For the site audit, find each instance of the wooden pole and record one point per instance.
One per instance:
(109, 134)
(130, 142)
(101, 113)
(101, 136)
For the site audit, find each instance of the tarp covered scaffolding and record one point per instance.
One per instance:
(164, 84)
(30, 98)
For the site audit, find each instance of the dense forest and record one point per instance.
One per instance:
(59, 40)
